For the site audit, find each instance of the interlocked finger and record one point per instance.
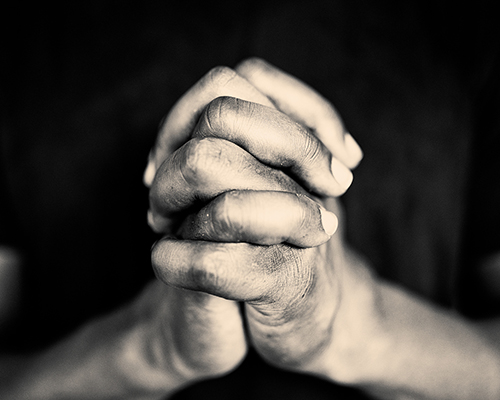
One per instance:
(261, 217)
(305, 105)
(178, 125)
(276, 140)
(203, 169)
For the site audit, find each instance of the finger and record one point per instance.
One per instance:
(234, 271)
(203, 169)
(276, 140)
(305, 105)
(180, 121)
(264, 218)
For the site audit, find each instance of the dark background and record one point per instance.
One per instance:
(85, 84)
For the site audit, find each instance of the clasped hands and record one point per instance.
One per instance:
(243, 179)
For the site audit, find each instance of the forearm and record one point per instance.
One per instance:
(104, 360)
(402, 347)
(431, 353)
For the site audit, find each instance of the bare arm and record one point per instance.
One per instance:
(130, 354)
(169, 337)
(421, 351)
(322, 311)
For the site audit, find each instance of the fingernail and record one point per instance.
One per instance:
(150, 171)
(353, 150)
(341, 173)
(329, 221)
(151, 220)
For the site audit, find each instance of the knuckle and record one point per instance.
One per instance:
(227, 215)
(220, 76)
(294, 264)
(251, 65)
(312, 149)
(161, 265)
(304, 212)
(202, 157)
(295, 272)
(205, 273)
(286, 273)
(215, 115)
(326, 112)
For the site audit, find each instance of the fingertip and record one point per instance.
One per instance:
(329, 221)
(151, 221)
(149, 172)
(342, 174)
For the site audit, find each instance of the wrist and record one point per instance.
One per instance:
(433, 351)
(192, 336)
(401, 347)
(145, 353)
(98, 361)
(142, 365)
(358, 338)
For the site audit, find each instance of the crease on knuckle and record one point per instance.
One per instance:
(227, 216)
(202, 157)
(306, 212)
(313, 151)
(225, 117)
(295, 274)
(205, 274)
(216, 115)
(162, 265)
(220, 77)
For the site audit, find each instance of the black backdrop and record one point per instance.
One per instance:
(86, 84)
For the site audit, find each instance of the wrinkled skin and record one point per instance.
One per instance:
(219, 178)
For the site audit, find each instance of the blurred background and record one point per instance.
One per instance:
(85, 85)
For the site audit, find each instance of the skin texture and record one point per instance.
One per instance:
(290, 286)
(239, 228)
(315, 309)
(172, 336)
